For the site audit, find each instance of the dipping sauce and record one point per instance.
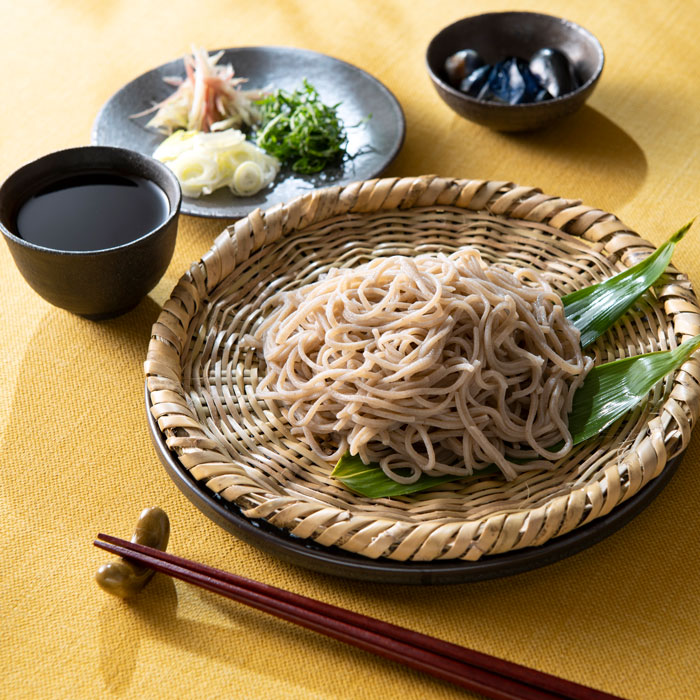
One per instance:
(92, 211)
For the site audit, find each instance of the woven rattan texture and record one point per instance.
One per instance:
(202, 379)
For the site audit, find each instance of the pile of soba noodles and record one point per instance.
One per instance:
(436, 364)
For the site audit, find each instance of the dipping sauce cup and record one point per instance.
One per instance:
(91, 229)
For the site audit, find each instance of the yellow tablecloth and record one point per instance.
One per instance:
(76, 456)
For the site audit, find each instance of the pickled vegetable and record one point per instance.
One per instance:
(554, 71)
(548, 74)
(511, 82)
(476, 81)
(461, 64)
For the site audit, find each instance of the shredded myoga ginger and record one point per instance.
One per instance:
(209, 98)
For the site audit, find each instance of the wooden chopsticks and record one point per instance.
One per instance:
(473, 670)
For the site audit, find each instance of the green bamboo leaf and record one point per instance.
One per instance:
(594, 309)
(369, 480)
(612, 389)
(608, 392)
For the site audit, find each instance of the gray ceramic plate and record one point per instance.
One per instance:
(373, 145)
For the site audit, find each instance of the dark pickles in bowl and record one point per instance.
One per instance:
(514, 71)
(547, 74)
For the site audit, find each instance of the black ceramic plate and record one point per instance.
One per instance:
(372, 145)
(338, 562)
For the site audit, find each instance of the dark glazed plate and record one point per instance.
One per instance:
(372, 145)
(338, 562)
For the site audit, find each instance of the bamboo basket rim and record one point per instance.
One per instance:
(200, 383)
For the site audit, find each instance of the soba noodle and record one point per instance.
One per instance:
(433, 364)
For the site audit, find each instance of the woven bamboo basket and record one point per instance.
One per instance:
(202, 383)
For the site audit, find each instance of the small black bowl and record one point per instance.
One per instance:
(499, 35)
(101, 283)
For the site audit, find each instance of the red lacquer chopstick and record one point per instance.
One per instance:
(482, 673)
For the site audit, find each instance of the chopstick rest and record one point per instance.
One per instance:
(473, 670)
(124, 578)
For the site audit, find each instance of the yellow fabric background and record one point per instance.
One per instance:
(76, 457)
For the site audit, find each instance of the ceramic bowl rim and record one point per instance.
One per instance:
(109, 151)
